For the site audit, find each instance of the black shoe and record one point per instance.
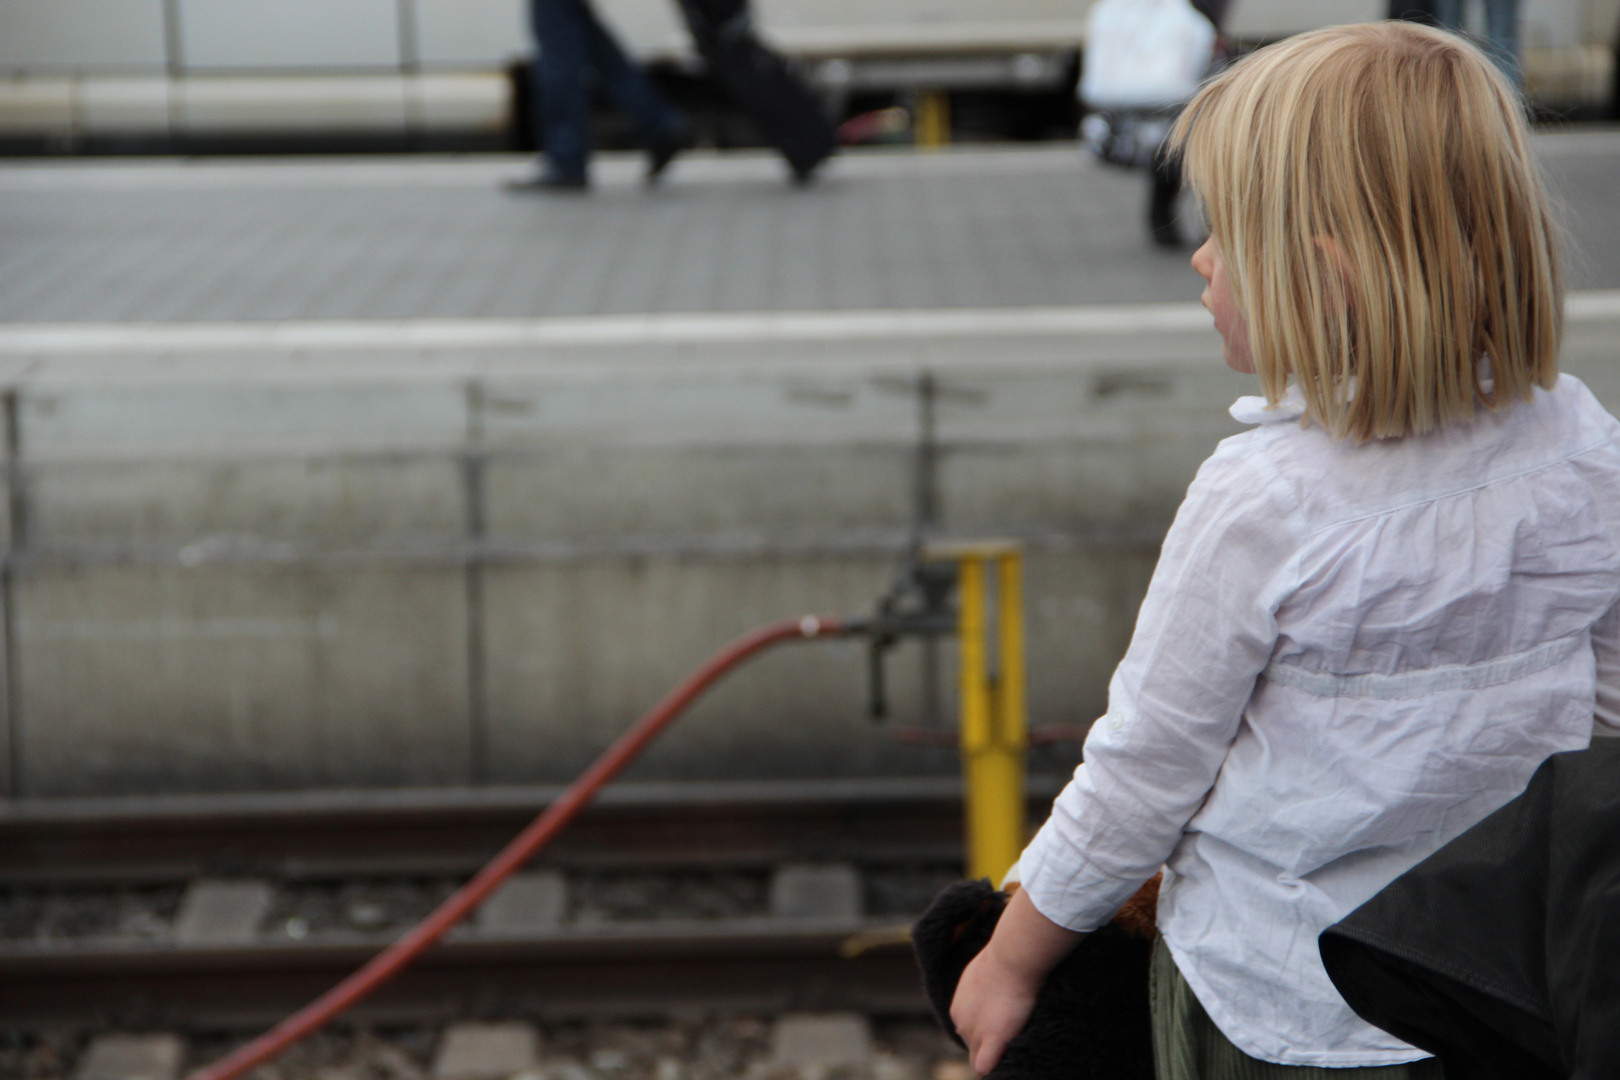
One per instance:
(660, 155)
(542, 183)
(804, 172)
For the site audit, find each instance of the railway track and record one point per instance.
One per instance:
(228, 912)
(763, 965)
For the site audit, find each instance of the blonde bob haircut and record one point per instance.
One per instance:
(1383, 226)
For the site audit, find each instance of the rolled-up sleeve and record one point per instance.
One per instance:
(1205, 632)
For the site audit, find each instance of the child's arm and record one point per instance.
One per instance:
(1206, 630)
(997, 991)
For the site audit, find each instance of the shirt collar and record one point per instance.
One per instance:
(1255, 410)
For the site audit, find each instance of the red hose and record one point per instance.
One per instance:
(540, 832)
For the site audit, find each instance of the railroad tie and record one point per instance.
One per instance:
(808, 1042)
(486, 1051)
(132, 1057)
(223, 912)
(828, 891)
(531, 902)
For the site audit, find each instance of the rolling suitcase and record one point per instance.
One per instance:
(787, 111)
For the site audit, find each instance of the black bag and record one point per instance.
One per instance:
(788, 113)
(1500, 953)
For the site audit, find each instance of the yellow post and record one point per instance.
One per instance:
(1012, 719)
(932, 124)
(993, 735)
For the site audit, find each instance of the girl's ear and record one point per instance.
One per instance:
(1333, 257)
(1336, 268)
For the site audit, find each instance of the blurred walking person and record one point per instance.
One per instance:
(1501, 31)
(1418, 11)
(576, 53)
(1164, 193)
(1143, 60)
(788, 113)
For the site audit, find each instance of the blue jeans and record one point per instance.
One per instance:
(573, 46)
(1501, 31)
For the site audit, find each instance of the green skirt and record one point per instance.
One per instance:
(1188, 1046)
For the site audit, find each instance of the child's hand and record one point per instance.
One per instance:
(997, 991)
(991, 1005)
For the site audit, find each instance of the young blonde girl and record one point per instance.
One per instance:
(1378, 610)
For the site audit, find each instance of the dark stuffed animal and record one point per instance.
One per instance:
(1091, 1018)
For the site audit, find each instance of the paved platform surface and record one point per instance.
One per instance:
(390, 238)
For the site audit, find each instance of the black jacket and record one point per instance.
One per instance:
(1500, 953)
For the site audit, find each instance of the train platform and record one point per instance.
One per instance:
(480, 475)
(409, 238)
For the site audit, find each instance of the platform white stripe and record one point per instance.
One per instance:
(683, 328)
(697, 328)
(1595, 306)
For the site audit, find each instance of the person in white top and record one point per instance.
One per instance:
(1376, 612)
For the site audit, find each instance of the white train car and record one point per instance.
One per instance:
(75, 73)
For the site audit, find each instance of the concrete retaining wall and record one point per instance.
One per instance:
(439, 569)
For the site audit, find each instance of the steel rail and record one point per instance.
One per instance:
(764, 964)
(323, 836)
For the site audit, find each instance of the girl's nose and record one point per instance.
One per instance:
(1203, 260)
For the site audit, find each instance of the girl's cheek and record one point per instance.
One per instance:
(1234, 331)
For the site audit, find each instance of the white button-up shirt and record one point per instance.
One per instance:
(1347, 656)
